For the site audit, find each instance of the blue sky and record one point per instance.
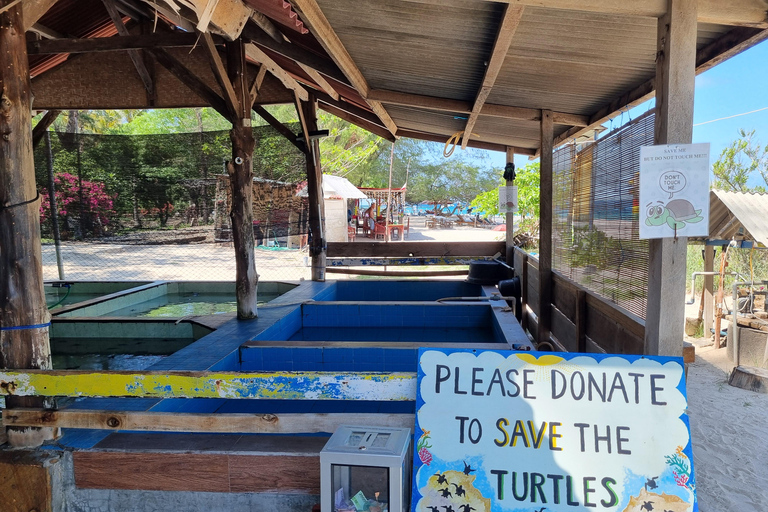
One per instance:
(736, 86)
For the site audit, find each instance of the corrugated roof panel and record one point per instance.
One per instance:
(749, 209)
(418, 47)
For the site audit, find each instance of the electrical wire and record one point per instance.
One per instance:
(731, 117)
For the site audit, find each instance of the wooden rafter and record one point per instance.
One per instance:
(294, 52)
(256, 84)
(220, 72)
(114, 43)
(319, 80)
(175, 17)
(267, 26)
(33, 10)
(507, 29)
(45, 32)
(38, 132)
(280, 127)
(732, 43)
(465, 107)
(324, 33)
(136, 55)
(747, 13)
(473, 143)
(191, 80)
(256, 54)
(374, 128)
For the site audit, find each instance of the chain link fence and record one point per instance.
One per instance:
(156, 207)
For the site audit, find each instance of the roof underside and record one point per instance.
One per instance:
(417, 67)
(738, 215)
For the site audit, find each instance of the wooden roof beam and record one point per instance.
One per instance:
(267, 26)
(507, 29)
(319, 80)
(175, 17)
(191, 80)
(746, 13)
(45, 32)
(114, 43)
(321, 28)
(136, 55)
(256, 54)
(33, 10)
(732, 43)
(38, 132)
(358, 121)
(222, 78)
(295, 53)
(465, 107)
(473, 143)
(256, 84)
(280, 127)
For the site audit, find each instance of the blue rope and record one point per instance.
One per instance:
(22, 327)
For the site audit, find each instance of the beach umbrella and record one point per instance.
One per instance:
(500, 227)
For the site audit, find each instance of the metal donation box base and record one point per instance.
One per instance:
(366, 469)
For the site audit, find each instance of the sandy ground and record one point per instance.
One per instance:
(212, 262)
(729, 432)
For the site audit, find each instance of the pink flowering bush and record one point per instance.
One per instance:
(97, 205)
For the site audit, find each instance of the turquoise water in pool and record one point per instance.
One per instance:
(177, 305)
(112, 353)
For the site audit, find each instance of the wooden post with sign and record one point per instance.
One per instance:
(24, 317)
(675, 77)
(510, 217)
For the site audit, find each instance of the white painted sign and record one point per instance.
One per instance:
(674, 190)
(514, 431)
(507, 199)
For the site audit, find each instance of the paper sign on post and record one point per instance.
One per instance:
(507, 199)
(509, 431)
(674, 190)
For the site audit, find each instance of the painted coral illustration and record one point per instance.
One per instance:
(423, 447)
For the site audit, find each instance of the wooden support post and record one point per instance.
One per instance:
(241, 177)
(510, 217)
(709, 266)
(317, 248)
(24, 317)
(545, 227)
(675, 76)
(581, 320)
(524, 292)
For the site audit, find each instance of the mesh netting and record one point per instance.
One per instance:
(595, 218)
(141, 206)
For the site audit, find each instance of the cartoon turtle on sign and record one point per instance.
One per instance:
(675, 214)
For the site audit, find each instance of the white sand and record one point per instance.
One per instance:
(211, 262)
(729, 428)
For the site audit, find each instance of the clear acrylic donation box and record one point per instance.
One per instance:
(366, 469)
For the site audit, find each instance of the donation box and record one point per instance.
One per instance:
(366, 469)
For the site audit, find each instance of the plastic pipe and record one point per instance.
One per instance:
(693, 282)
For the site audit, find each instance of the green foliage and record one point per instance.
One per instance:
(527, 182)
(742, 161)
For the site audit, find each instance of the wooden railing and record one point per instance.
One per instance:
(582, 321)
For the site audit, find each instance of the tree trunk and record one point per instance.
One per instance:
(241, 177)
(24, 317)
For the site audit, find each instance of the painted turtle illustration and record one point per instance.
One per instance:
(675, 214)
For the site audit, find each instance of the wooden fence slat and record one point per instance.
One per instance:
(413, 249)
(308, 423)
(263, 385)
